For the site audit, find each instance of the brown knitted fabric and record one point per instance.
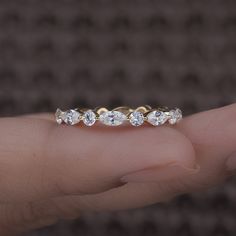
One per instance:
(64, 53)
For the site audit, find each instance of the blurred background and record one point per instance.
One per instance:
(69, 53)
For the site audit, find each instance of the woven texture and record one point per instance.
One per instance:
(65, 53)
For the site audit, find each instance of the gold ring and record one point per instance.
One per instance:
(117, 116)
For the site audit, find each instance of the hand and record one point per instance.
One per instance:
(48, 172)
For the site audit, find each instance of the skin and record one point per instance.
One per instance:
(50, 172)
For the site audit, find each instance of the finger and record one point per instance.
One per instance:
(214, 128)
(17, 219)
(28, 216)
(40, 159)
(44, 116)
(131, 195)
(213, 134)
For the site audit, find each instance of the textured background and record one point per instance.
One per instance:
(61, 53)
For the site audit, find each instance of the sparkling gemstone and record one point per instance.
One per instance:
(58, 116)
(112, 118)
(136, 118)
(71, 117)
(89, 118)
(157, 118)
(175, 116)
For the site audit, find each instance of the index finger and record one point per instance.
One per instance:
(39, 159)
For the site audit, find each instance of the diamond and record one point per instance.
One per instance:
(112, 118)
(157, 118)
(71, 117)
(89, 118)
(175, 116)
(136, 118)
(58, 116)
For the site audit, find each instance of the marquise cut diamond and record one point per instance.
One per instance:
(175, 116)
(71, 117)
(112, 118)
(157, 118)
(89, 118)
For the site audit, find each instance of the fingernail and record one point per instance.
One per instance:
(156, 174)
(231, 162)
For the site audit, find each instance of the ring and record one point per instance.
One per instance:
(136, 117)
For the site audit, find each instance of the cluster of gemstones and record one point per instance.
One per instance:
(118, 116)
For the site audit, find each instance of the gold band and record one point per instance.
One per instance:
(117, 116)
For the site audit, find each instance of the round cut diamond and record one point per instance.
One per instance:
(71, 117)
(175, 116)
(136, 118)
(157, 118)
(112, 118)
(89, 118)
